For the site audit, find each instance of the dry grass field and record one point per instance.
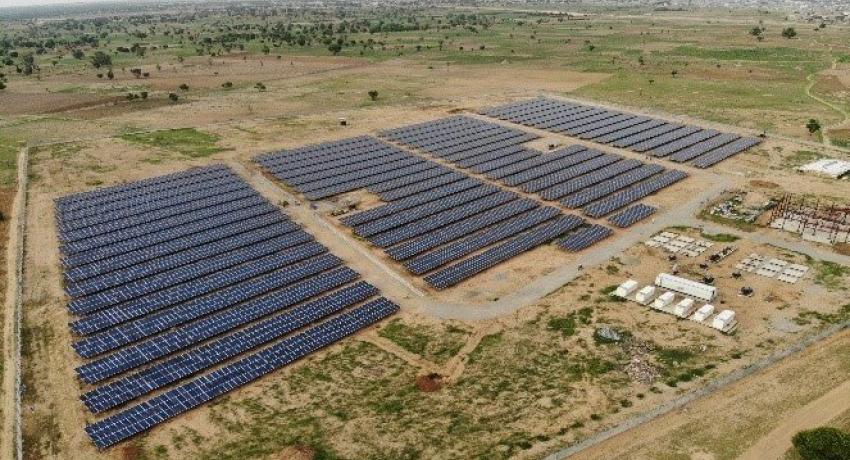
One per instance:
(520, 385)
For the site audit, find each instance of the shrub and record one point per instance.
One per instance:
(822, 443)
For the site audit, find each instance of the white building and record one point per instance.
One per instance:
(723, 319)
(827, 167)
(704, 312)
(664, 300)
(684, 308)
(687, 287)
(645, 295)
(626, 288)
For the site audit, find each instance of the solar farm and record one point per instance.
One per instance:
(344, 230)
(187, 286)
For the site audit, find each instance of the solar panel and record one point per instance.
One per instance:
(658, 141)
(456, 273)
(632, 214)
(562, 175)
(175, 276)
(609, 186)
(696, 150)
(438, 220)
(459, 229)
(142, 417)
(717, 155)
(563, 189)
(630, 195)
(623, 130)
(225, 347)
(465, 246)
(684, 142)
(585, 238)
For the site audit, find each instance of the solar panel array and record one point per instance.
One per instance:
(190, 285)
(438, 217)
(440, 222)
(576, 175)
(332, 168)
(704, 147)
(442, 233)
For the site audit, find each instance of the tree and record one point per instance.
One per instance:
(101, 59)
(173, 97)
(2, 85)
(822, 443)
(78, 54)
(110, 75)
(227, 84)
(373, 95)
(28, 64)
(184, 87)
(260, 87)
(789, 32)
(813, 126)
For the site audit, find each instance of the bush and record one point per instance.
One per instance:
(822, 443)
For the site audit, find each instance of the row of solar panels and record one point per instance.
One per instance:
(679, 142)
(181, 274)
(576, 175)
(329, 169)
(447, 227)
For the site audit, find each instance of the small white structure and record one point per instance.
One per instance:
(626, 288)
(828, 167)
(703, 313)
(645, 295)
(664, 300)
(685, 286)
(723, 320)
(684, 308)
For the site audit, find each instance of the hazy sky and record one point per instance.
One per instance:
(43, 2)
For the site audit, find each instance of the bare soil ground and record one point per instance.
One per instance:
(729, 422)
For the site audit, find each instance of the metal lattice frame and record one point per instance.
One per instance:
(824, 217)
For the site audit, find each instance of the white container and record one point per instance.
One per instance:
(664, 300)
(626, 288)
(684, 308)
(704, 312)
(723, 319)
(645, 295)
(685, 286)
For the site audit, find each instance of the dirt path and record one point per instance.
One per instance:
(10, 442)
(845, 116)
(391, 347)
(816, 413)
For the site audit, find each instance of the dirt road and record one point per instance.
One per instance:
(10, 441)
(812, 415)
